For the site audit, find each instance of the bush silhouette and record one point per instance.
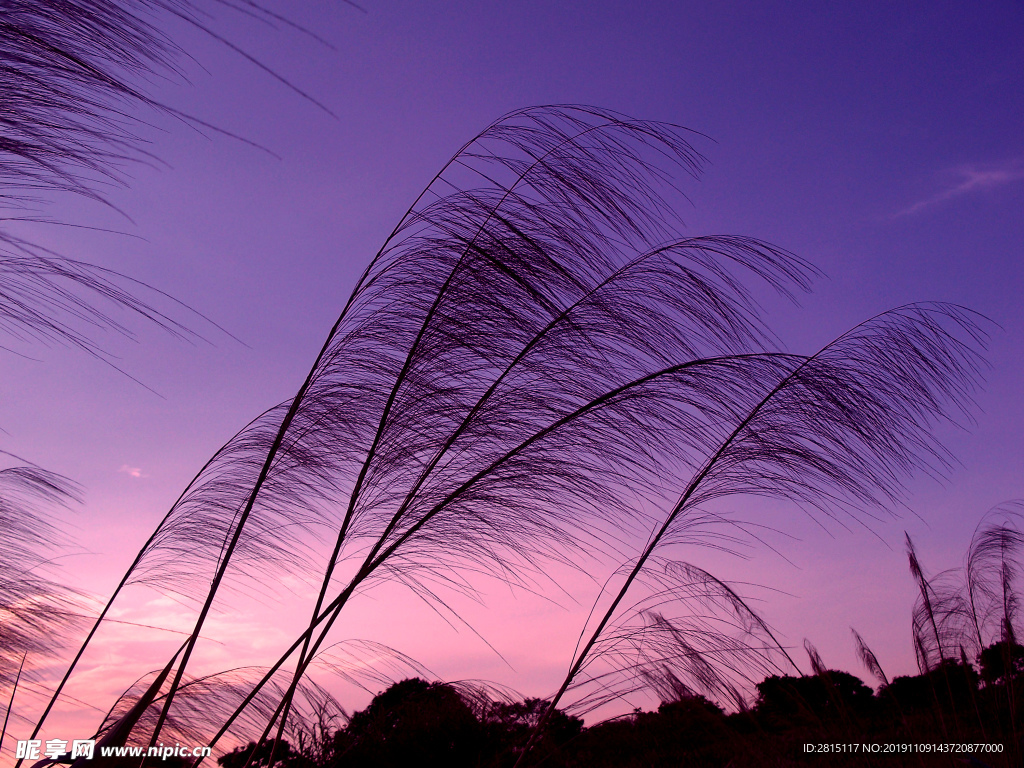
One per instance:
(508, 726)
(789, 700)
(1001, 662)
(270, 752)
(411, 723)
(949, 686)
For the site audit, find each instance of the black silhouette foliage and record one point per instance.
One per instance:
(812, 698)
(1001, 662)
(411, 723)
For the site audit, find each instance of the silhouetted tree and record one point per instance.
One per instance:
(691, 731)
(950, 685)
(507, 727)
(411, 723)
(1001, 662)
(260, 756)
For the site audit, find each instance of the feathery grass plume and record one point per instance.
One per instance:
(992, 572)
(527, 369)
(868, 658)
(538, 314)
(835, 431)
(75, 93)
(971, 613)
(691, 635)
(977, 605)
(941, 615)
(76, 75)
(37, 614)
(205, 702)
(817, 665)
(481, 403)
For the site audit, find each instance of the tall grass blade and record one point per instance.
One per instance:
(10, 702)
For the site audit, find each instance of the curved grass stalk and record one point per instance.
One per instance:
(508, 378)
(727, 248)
(383, 551)
(805, 448)
(372, 451)
(772, 266)
(693, 635)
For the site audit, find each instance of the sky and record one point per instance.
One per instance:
(884, 144)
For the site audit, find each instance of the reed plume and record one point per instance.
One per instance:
(37, 613)
(75, 101)
(470, 410)
(692, 634)
(868, 658)
(992, 573)
(976, 605)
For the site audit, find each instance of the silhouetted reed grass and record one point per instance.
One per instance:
(969, 615)
(75, 104)
(37, 613)
(537, 368)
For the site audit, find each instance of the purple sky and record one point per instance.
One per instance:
(883, 144)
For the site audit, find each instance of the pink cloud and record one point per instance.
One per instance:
(971, 178)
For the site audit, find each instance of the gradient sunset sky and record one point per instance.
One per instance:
(882, 142)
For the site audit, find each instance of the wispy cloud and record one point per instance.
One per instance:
(132, 471)
(968, 179)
